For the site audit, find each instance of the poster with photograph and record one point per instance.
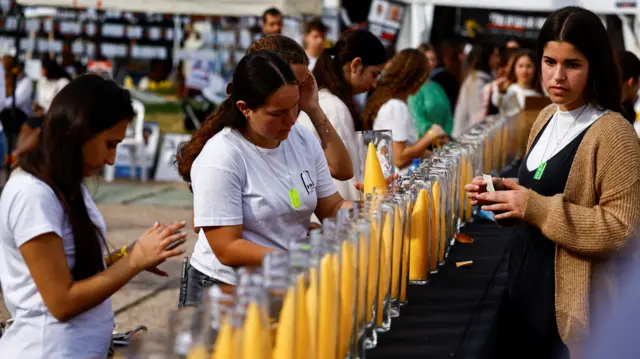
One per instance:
(385, 20)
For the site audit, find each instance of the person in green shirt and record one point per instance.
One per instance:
(431, 105)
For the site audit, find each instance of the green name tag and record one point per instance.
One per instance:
(540, 171)
(294, 196)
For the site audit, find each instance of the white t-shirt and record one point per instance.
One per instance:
(48, 89)
(312, 62)
(237, 183)
(340, 117)
(394, 115)
(512, 101)
(29, 208)
(560, 131)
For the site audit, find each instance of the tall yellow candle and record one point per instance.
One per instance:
(347, 297)
(312, 310)
(437, 225)
(374, 270)
(284, 344)
(398, 240)
(253, 334)
(386, 248)
(328, 309)
(373, 176)
(406, 255)
(224, 346)
(419, 262)
(302, 336)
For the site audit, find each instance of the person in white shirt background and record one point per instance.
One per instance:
(387, 108)
(55, 280)
(349, 68)
(315, 33)
(53, 79)
(256, 175)
(522, 81)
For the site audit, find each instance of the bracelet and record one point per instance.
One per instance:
(122, 252)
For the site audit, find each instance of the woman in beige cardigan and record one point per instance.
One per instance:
(576, 201)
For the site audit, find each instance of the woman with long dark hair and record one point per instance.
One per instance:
(349, 68)
(52, 271)
(523, 82)
(256, 175)
(576, 201)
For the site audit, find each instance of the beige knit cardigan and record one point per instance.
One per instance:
(591, 223)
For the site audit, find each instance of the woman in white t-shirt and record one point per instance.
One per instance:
(54, 78)
(52, 235)
(522, 81)
(256, 176)
(349, 68)
(387, 108)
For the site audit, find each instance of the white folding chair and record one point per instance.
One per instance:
(136, 145)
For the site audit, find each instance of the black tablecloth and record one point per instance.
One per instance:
(455, 314)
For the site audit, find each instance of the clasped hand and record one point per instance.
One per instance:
(507, 203)
(150, 250)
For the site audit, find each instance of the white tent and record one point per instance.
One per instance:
(193, 7)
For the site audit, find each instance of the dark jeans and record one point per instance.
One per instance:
(196, 284)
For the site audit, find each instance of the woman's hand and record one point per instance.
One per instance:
(478, 186)
(308, 101)
(437, 131)
(509, 204)
(150, 249)
(503, 84)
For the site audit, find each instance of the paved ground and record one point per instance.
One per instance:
(129, 209)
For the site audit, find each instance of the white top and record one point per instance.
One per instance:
(340, 117)
(394, 115)
(512, 101)
(312, 62)
(47, 90)
(24, 94)
(560, 131)
(237, 183)
(29, 208)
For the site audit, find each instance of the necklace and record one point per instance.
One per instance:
(543, 164)
(294, 195)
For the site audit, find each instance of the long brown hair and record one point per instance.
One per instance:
(406, 72)
(328, 70)
(511, 76)
(257, 76)
(84, 108)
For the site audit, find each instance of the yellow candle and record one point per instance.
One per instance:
(396, 269)
(328, 309)
(373, 176)
(418, 264)
(253, 334)
(286, 328)
(363, 274)
(386, 248)
(374, 270)
(406, 256)
(437, 224)
(347, 297)
(223, 348)
(302, 338)
(312, 310)
(198, 352)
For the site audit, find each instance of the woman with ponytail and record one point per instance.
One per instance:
(387, 108)
(257, 176)
(349, 68)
